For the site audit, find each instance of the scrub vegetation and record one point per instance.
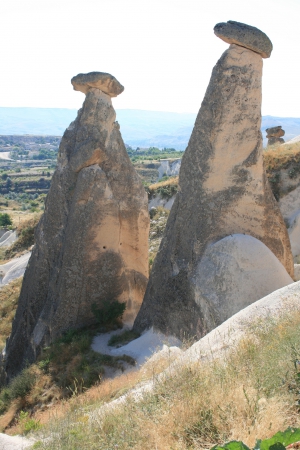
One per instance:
(252, 393)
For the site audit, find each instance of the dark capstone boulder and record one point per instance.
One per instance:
(275, 134)
(100, 80)
(244, 35)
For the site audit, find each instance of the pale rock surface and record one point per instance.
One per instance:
(2, 234)
(290, 209)
(290, 205)
(91, 244)
(296, 272)
(8, 238)
(169, 167)
(14, 442)
(233, 273)
(226, 337)
(223, 190)
(6, 156)
(142, 348)
(165, 203)
(295, 139)
(244, 35)
(13, 269)
(294, 233)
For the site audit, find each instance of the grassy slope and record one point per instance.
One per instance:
(281, 156)
(9, 296)
(195, 408)
(253, 393)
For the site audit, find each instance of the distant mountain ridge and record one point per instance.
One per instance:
(140, 128)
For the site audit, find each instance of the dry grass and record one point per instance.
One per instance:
(20, 217)
(282, 164)
(277, 157)
(173, 181)
(29, 220)
(25, 232)
(249, 395)
(65, 369)
(9, 296)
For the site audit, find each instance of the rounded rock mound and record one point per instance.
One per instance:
(100, 80)
(244, 35)
(235, 272)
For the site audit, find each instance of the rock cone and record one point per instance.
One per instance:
(223, 190)
(92, 241)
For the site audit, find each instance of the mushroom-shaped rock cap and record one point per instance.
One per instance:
(275, 131)
(244, 35)
(100, 80)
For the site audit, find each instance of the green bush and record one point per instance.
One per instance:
(27, 423)
(20, 386)
(109, 313)
(5, 220)
(279, 441)
(167, 191)
(72, 364)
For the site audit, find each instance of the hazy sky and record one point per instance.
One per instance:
(162, 51)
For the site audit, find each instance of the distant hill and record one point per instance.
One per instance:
(139, 128)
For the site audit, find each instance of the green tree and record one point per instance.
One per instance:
(5, 220)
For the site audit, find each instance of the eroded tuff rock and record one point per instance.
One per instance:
(274, 135)
(244, 35)
(243, 269)
(223, 190)
(92, 241)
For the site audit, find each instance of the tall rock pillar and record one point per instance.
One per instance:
(92, 241)
(223, 190)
